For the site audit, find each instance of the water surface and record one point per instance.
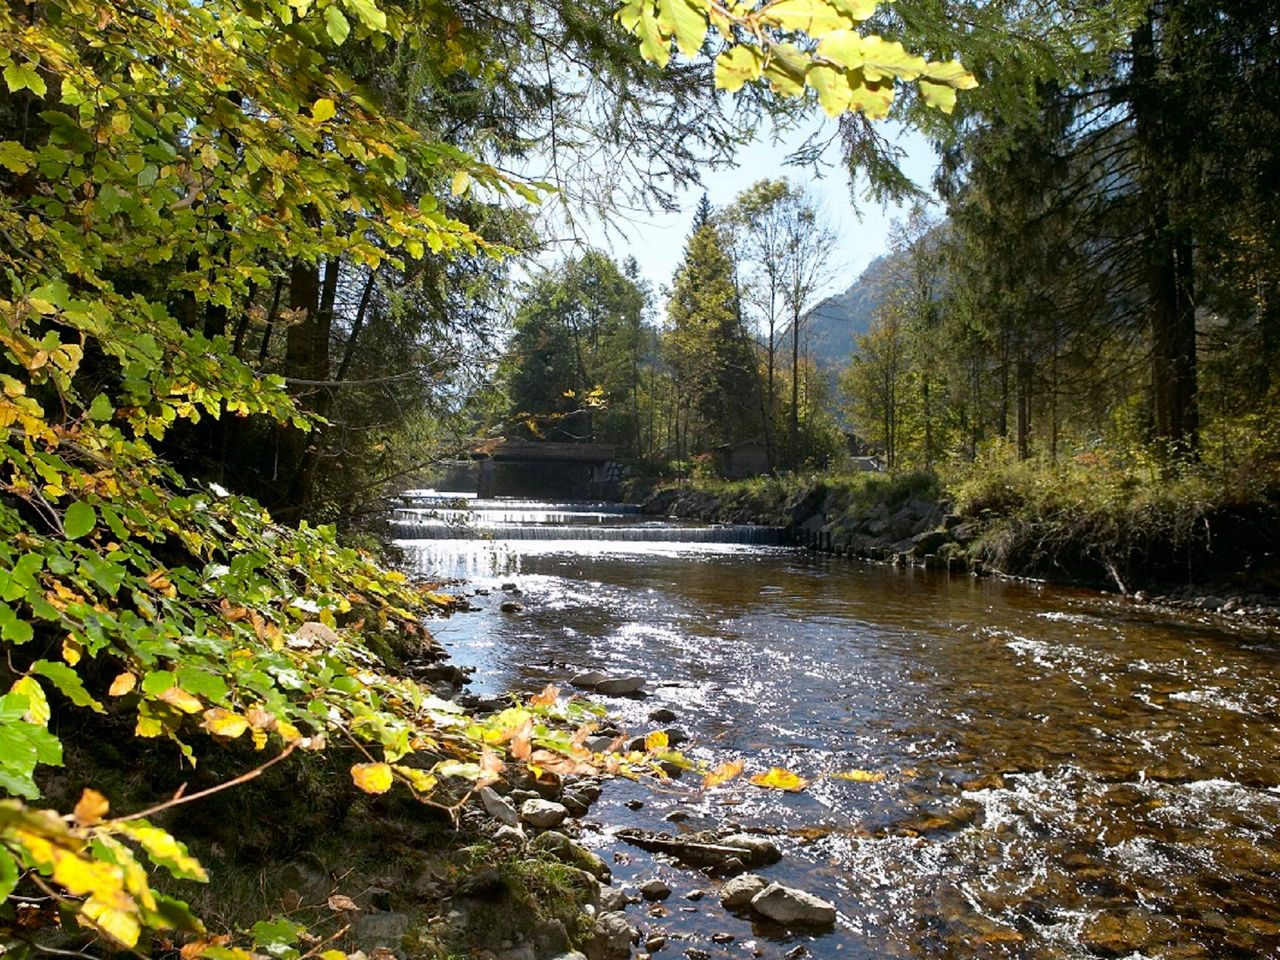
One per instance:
(1063, 774)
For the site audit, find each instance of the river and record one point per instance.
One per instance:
(1052, 773)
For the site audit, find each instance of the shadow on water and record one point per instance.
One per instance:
(1062, 775)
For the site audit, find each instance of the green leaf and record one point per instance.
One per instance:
(8, 874)
(80, 518)
(68, 683)
(13, 628)
(15, 157)
(24, 77)
(101, 408)
(335, 24)
(368, 14)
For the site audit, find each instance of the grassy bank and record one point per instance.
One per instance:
(1091, 520)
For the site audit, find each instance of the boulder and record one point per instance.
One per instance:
(565, 850)
(739, 891)
(655, 889)
(620, 686)
(588, 679)
(374, 930)
(789, 906)
(543, 814)
(758, 851)
(498, 806)
(612, 936)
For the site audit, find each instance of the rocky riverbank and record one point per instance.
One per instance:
(1230, 567)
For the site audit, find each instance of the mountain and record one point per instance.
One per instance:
(829, 328)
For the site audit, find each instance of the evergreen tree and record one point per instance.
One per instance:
(710, 353)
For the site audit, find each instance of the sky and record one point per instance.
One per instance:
(657, 240)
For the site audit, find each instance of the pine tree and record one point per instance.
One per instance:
(709, 351)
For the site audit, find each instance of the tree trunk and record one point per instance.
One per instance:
(1168, 254)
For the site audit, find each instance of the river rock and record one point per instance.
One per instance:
(588, 679)
(566, 851)
(757, 851)
(787, 905)
(620, 686)
(739, 891)
(662, 715)
(655, 889)
(612, 937)
(543, 814)
(511, 606)
(498, 806)
(374, 930)
(1115, 936)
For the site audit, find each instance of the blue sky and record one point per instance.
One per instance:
(657, 240)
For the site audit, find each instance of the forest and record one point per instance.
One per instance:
(263, 262)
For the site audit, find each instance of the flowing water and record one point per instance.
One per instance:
(1063, 775)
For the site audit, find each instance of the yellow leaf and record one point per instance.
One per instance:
(178, 698)
(72, 651)
(656, 741)
(117, 917)
(461, 183)
(37, 703)
(780, 779)
(372, 777)
(814, 17)
(737, 66)
(858, 776)
(722, 774)
(122, 684)
(323, 109)
(92, 807)
(224, 723)
(420, 780)
(938, 95)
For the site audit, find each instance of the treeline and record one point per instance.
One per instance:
(722, 364)
(1106, 278)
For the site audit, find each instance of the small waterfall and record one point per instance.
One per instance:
(427, 515)
(408, 529)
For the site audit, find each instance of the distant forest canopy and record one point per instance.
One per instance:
(1101, 278)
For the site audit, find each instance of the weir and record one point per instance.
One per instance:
(428, 515)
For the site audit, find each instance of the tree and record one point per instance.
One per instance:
(169, 174)
(579, 335)
(710, 354)
(807, 246)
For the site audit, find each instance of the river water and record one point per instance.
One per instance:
(1055, 773)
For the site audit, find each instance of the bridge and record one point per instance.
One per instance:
(576, 469)
(503, 450)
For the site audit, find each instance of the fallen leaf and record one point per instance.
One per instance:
(858, 776)
(779, 779)
(722, 774)
(656, 741)
(547, 698)
(339, 903)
